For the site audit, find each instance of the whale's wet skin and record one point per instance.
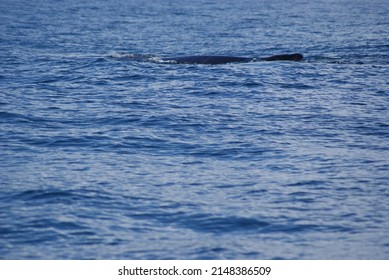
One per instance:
(230, 59)
(208, 59)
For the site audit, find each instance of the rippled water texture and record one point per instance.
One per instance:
(107, 157)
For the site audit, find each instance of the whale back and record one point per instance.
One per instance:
(203, 59)
(289, 57)
(218, 59)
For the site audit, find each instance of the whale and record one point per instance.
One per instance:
(218, 59)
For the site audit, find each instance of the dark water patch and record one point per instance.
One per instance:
(307, 183)
(7, 115)
(228, 186)
(209, 253)
(53, 224)
(221, 225)
(46, 195)
(226, 225)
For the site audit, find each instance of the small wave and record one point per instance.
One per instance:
(48, 196)
(223, 224)
(6, 115)
(208, 223)
(123, 55)
(139, 57)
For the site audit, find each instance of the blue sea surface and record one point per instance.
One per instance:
(103, 156)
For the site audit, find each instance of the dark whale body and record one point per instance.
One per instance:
(230, 59)
(207, 59)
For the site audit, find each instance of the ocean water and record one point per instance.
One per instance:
(107, 157)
